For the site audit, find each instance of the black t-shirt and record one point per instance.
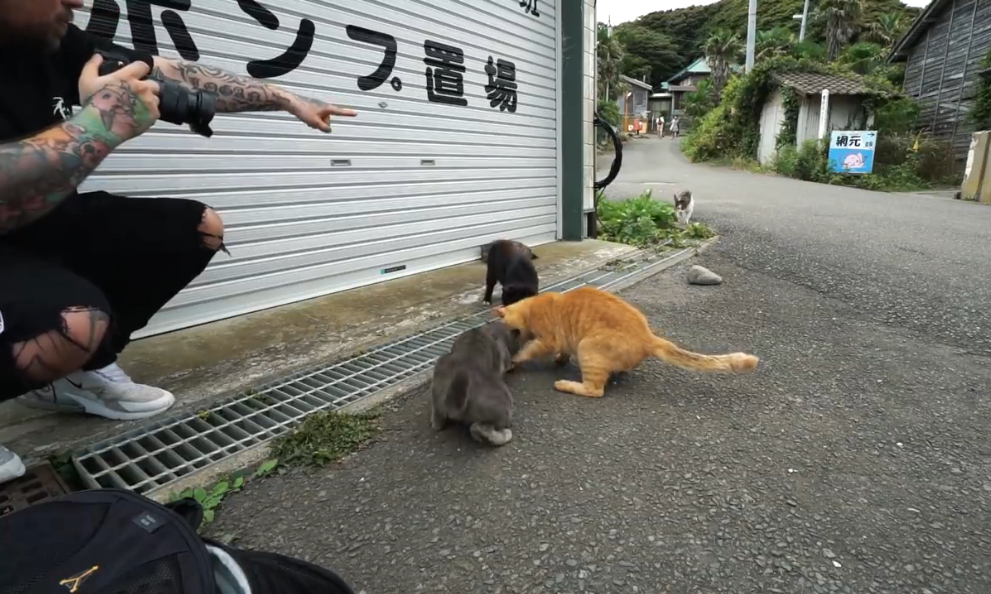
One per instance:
(37, 90)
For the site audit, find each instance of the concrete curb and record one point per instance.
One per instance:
(259, 453)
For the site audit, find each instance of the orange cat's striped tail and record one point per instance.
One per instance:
(671, 353)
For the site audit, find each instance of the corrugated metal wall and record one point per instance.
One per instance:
(407, 186)
(941, 73)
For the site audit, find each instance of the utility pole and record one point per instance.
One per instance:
(751, 34)
(805, 18)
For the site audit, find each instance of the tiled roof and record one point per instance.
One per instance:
(809, 83)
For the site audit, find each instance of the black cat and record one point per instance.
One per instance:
(510, 264)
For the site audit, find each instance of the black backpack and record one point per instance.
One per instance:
(117, 542)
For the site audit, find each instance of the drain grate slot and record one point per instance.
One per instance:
(162, 452)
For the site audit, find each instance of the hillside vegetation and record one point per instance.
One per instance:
(661, 43)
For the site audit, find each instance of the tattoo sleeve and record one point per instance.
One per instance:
(37, 173)
(234, 92)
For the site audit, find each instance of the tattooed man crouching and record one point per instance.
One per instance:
(80, 272)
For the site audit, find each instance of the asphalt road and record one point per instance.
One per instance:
(855, 459)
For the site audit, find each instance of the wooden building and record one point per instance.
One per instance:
(943, 51)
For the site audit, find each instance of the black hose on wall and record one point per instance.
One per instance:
(617, 163)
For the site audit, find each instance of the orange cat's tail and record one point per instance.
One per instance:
(671, 353)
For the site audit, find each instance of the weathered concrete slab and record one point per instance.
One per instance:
(204, 363)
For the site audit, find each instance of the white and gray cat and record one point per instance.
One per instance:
(684, 206)
(469, 385)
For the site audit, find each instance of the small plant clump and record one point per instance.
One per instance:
(325, 437)
(645, 222)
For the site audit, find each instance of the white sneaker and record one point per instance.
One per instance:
(107, 392)
(11, 466)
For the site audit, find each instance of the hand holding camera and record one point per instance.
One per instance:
(128, 87)
(131, 102)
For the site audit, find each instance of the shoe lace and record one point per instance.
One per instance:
(113, 373)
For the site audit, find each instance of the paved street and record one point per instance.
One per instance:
(856, 459)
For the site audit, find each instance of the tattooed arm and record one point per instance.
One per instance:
(237, 93)
(37, 173)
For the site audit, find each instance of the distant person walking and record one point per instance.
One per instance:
(660, 126)
(675, 126)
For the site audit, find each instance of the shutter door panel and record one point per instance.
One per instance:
(409, 185)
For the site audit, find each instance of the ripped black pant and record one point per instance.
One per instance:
(112, 259)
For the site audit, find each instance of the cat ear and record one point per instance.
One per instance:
(500, 311)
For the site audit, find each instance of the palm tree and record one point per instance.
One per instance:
(609, 55)
(842, 19)
(722, 49)
(774, 42)
(886, 29)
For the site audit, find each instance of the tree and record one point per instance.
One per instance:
(648, 53)
(778, 41)
(722, 49)
(700, 101)
(609, 57)
(863, 57)
(886, 29)
(842, 19)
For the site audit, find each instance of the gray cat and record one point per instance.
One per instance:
(468, 383)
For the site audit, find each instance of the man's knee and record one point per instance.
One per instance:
(58, 352)
(211, 229)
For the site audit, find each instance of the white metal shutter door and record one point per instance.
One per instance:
(419, 180)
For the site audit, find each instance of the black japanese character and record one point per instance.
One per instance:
(842, 141)
(445, 73)
(288, 60)
(106, 17)
(387, 42)
(855, 140)
(501, 90)
(531, 7)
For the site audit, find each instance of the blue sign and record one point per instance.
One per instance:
(852, 151)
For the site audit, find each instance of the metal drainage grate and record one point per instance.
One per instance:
(162, 452)
(39, 483)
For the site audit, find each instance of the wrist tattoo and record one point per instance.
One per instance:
(234, 93)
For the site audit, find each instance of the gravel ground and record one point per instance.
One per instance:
(855, 459)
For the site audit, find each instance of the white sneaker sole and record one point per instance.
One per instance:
(11, 470)
(86, 404)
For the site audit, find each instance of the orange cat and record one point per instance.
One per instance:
(606, 333)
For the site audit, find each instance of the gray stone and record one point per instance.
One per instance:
(698, 275)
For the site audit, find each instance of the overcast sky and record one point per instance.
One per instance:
(627, 10)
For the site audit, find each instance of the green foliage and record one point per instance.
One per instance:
(638, 221)
(700, 101)
(809, 50)
(325, 437)
(699, 231)
(901, 163)
(647, 52)
(722, 49)
(609, 58)
(786, 159)
(777, 41)
(645, 222)
(863, 57)
(885, 29)
(897, 116)
(792, 104)
(609, 111)
(688, 28)
(980, 114)
(212, 498)
(842, 20)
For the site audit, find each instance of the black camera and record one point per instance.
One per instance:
(176, 104)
